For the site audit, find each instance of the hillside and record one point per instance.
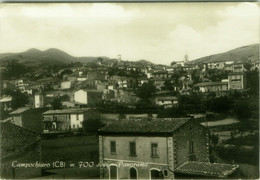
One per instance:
(35, 57)
(241, 54)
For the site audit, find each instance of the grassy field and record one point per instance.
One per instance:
(74, 149)
(70, 150)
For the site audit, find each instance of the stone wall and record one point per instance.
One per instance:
(190, 132)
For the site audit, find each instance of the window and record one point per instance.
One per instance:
(77, 117)
(113, 147)
(132, 148)
(191, 147)
(133, 173)
(165, 172)
(154, 150)
(113, 172)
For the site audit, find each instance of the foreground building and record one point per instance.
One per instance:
(156, 149)
(19, 145)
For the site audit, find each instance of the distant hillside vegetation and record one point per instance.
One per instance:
(35, 57)
(241, 54)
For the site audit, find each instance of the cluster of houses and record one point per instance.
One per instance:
(87, 87)
(134, 147)
(236, 79)
(90, 86)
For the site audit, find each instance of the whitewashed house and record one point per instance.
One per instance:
(6, 102)
(88, 97)
(65, 85)
(81, 96)
(38, 100)
(167, 101)
(64, 119)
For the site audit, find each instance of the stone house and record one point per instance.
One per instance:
(155, 149)
(211, 86)
(19, 145)
(109, 95)
(238, 67)
(237, 81)
(160, 74)
(158, 83)
(126, 96)
(29, 118)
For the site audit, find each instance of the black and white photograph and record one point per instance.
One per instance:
(129, 90)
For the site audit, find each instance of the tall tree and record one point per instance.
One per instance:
(18, 98)
(243, 113)
(92, 122)
(56, 103)
(14, 70)
(146, 91)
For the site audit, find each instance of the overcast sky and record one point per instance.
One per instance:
(159, 32)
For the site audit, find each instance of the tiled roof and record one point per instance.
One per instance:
(66, 111)
(161, 72)
(207, 169)
(236, 73)
(165, 98)
(211, 83)
(14, 137)
(20, 110)
(6, 99)
(144, 126)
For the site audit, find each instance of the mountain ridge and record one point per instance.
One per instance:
(240, 54)
(53, 56)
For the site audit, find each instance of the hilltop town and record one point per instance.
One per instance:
(213, 100)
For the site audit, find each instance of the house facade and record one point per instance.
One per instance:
(166, 101)
(156, 153)
(63, 120)
(212, 86)
(38, 100)
(152, 149)
(65, 85)
(29, 118)
(238, 67)
(6, 103)
(236, 81)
